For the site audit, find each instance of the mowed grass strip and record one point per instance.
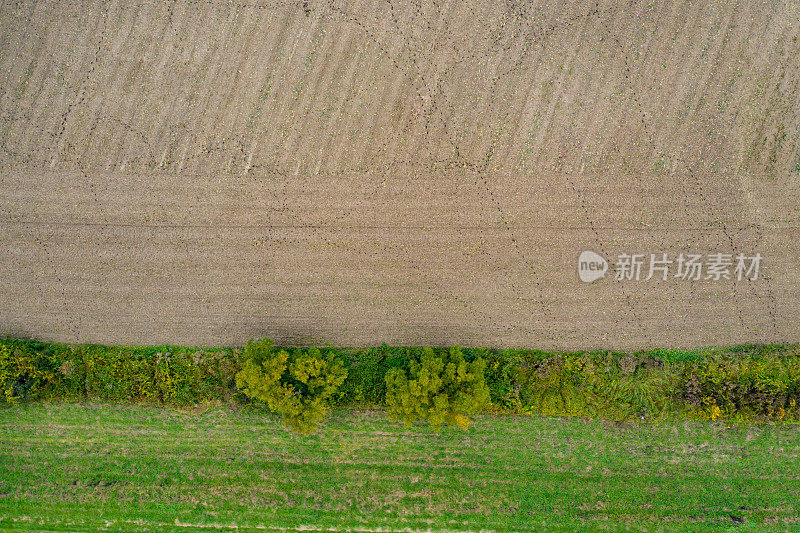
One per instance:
(130, 467)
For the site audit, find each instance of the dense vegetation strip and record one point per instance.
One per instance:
(741, 382)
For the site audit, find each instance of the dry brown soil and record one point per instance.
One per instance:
(409, 172)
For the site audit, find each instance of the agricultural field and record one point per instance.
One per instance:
(408, 172)
(69, 467)
(372, 184)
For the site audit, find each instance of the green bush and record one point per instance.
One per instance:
(366, 372)
(766, 384)
(32, 370)
(499, 374)
(610, 385)
(557, 386)
(298, 386)
(169, 375)
(645, 393)
(119, 374)
(441, 389)
(19, 374)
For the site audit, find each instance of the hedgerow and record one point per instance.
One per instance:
(747, 382)
(176, 376)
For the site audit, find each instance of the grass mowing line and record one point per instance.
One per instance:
(125, 463)
(107, 524)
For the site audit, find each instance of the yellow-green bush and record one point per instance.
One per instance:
(298, 385)
(22, 375)
(599, 384)
(119, 375)
(763, 386)
(32, 370)
(440, 389)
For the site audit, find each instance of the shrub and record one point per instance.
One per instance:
(366, 373)
(556, 386)
(119, 374)
(69, 374)
(643, 392)
(442, 390)
(298, 386)
(764, 385)
(23, 374)
(499, 374)
(619, 386)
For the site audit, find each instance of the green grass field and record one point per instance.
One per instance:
(133, 467)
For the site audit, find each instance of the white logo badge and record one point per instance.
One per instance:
(591, 266)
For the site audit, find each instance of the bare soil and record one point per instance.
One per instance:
(388, 171)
